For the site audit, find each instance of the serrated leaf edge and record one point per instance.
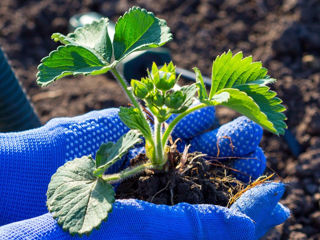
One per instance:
(271, 129)
(242, 60)
(53, 213)
(162, 22)
(271, 95)
(104, 68)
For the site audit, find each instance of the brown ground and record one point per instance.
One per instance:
(284, 34)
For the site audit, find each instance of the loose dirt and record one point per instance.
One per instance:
(186, 178)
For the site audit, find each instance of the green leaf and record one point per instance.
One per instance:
(202, 92)
(88, 51)
(103, 153)
(69, 60)
(264, 81)
(133, 119)
(174, 99)
(77, 199)
(189, 91)
(220, 98)
(269, 104)
(109, 153)
(231, 70)
(156, 98)
(148, 83)
(240, 84)
(93, 36)
(59, 37)
(140, 90)
(164, 78)
(139, 30)
(246, 105)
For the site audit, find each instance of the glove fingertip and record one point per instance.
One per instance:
(260, 201)
(194, 123)
(279, 214)
(251, 166)
(236, 138)
(242, 133)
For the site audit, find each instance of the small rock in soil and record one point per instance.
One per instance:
(315, 217)
(298, 236)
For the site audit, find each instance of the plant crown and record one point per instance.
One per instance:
(80, 194)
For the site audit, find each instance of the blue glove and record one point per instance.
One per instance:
(238, 139)
(30, 158)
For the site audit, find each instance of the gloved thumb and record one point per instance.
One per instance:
(261, 205)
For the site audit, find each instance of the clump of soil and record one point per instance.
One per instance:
(187, 178)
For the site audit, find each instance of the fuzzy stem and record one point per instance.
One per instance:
(125, 87)
(176, 120)
(128, 172)
(159, 158)
(133, 100)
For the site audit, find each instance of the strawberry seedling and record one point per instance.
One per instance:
(80, 193)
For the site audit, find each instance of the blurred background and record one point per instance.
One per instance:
(283, 34)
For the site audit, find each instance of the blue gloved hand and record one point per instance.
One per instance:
(30, 158)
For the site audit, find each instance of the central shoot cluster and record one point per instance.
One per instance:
(162, 97)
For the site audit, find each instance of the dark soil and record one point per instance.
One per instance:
(284, 34)
(193, 180)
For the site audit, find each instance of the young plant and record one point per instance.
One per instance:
(80, 193)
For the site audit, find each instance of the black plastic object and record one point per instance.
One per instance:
(16, 112)
(136, 64)
(191, 76)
